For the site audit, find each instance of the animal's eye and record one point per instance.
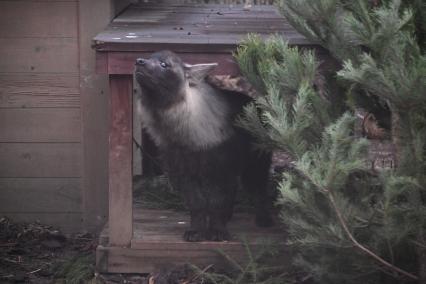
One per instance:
(163, 64)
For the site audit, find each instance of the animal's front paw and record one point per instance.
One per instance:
(218, 235)
(192, 235)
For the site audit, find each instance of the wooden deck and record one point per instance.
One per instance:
(157, 242)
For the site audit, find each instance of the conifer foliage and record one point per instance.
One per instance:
(349, 224)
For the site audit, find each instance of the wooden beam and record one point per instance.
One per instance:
(120, 160)
(124, 62)
(129, 260)
(94, 16)
(156, 256)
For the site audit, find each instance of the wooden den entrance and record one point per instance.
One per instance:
(139, 240)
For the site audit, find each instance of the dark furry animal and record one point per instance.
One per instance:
(204, 154)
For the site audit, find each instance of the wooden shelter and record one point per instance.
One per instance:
(139, 240)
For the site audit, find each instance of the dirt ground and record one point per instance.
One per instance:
(36, 253)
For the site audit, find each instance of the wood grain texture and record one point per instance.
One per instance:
(39, 112)
(40, 160)
(157, 242)
(123, 62)
(40, 125)
(151, 226)
(120, 161)
(94, 16)
(39, 55)
(128, 260)
(207, 25)
(38, 19)
(51, 195)
(32, 90)
(101, 63)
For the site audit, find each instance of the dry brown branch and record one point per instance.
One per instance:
(360, 246)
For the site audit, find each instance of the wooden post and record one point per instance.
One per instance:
(120, 161)
(94, 15)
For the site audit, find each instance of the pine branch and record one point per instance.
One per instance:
(384, 68)
(342, 222)
(336, 137)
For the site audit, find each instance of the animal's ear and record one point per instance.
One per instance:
(197, 72)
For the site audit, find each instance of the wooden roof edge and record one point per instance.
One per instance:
(103, 46)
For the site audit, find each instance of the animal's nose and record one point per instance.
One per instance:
(140, 61)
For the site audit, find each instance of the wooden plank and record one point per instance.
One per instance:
(199, 25)
(152, 228)
(33, 90)
(182, 245)
(126, 260)
(201, 20)
(151, 249)
(167, 225)
(161, 11)
(18, 195)
(216, 25)
(159, 255)
(120, 161)
(66, 222)
(40, 125)
(94, 15)
(101, 63)
(112, 39)
(41, 19)
(123, 62)
(40, 160)
(39, 55)
(160, 44)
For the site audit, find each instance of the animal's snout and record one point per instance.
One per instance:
(140, 61)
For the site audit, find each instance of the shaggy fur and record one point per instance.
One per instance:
(199, 121)
(203, 153)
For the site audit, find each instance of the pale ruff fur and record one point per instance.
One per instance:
(201, 121)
